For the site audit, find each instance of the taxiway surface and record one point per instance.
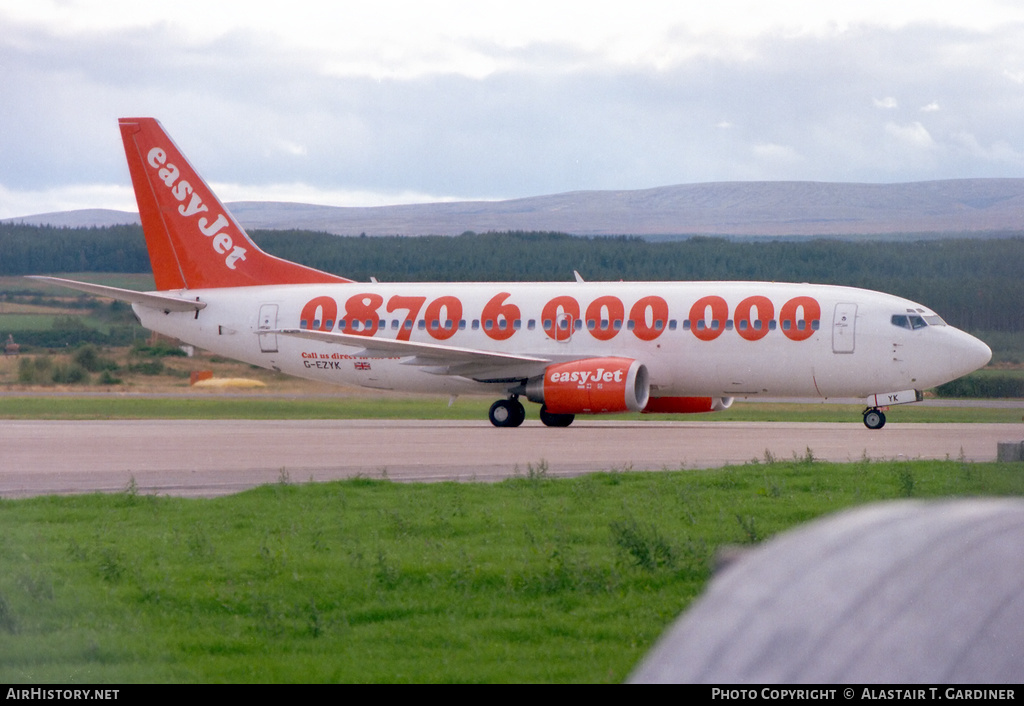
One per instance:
(208, 458)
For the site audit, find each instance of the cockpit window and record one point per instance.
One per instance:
(915, 321)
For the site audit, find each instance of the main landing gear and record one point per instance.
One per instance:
(507, 413)
(874, 418)
(551, 419)
(510, 413)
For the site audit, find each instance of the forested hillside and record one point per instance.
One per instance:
(975, 284)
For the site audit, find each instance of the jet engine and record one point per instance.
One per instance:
(591, 386)
(686, 405)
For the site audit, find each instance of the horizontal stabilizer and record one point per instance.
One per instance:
(160, 302)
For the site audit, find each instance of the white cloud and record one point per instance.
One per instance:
(384, 102)
(914, 134)
(15, 203)
(22, 202)
(999, 151)
(292, 148)
(396, 38)
(776, 153)
(304, 193)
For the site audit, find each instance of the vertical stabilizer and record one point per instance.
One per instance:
(193, 241)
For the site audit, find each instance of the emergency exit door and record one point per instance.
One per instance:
(844, 327)
(268, 322)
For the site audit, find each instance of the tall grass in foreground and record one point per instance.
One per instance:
(532, 579)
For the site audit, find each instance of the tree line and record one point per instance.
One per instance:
(973, 283)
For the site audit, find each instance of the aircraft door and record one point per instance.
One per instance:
(268, 322)
(844, 325)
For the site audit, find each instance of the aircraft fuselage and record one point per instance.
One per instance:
(718, 339)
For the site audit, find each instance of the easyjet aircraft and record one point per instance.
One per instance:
(574, 347)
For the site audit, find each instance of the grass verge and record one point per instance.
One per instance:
(255, 406)
(530, 580)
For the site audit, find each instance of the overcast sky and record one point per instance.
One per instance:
(399, 102)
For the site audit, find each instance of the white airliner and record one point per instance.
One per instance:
(574, 347)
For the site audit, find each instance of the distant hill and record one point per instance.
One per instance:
(728, 208)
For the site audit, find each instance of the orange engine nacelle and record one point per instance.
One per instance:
(686, 405)
(592, 386)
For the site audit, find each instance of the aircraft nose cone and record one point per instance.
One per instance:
(970, 354)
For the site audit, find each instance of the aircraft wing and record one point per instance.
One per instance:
(153, 300)
(434, 357)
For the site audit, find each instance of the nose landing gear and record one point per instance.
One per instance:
(874, 418)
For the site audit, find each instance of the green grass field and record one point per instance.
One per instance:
(529, 580)
(256, 406)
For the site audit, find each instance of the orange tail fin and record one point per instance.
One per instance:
(193, 241)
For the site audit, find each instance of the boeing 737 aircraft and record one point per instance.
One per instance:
(574, 347)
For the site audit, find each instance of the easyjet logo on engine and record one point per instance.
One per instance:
(192, 205)
(585, 376)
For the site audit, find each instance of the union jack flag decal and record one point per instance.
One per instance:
(362, 366)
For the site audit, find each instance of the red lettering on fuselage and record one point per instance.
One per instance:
(501, 318)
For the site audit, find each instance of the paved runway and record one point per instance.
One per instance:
(208, 458)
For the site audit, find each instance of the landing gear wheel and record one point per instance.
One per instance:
(507, 413)
(555, 420)
(874, 419)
